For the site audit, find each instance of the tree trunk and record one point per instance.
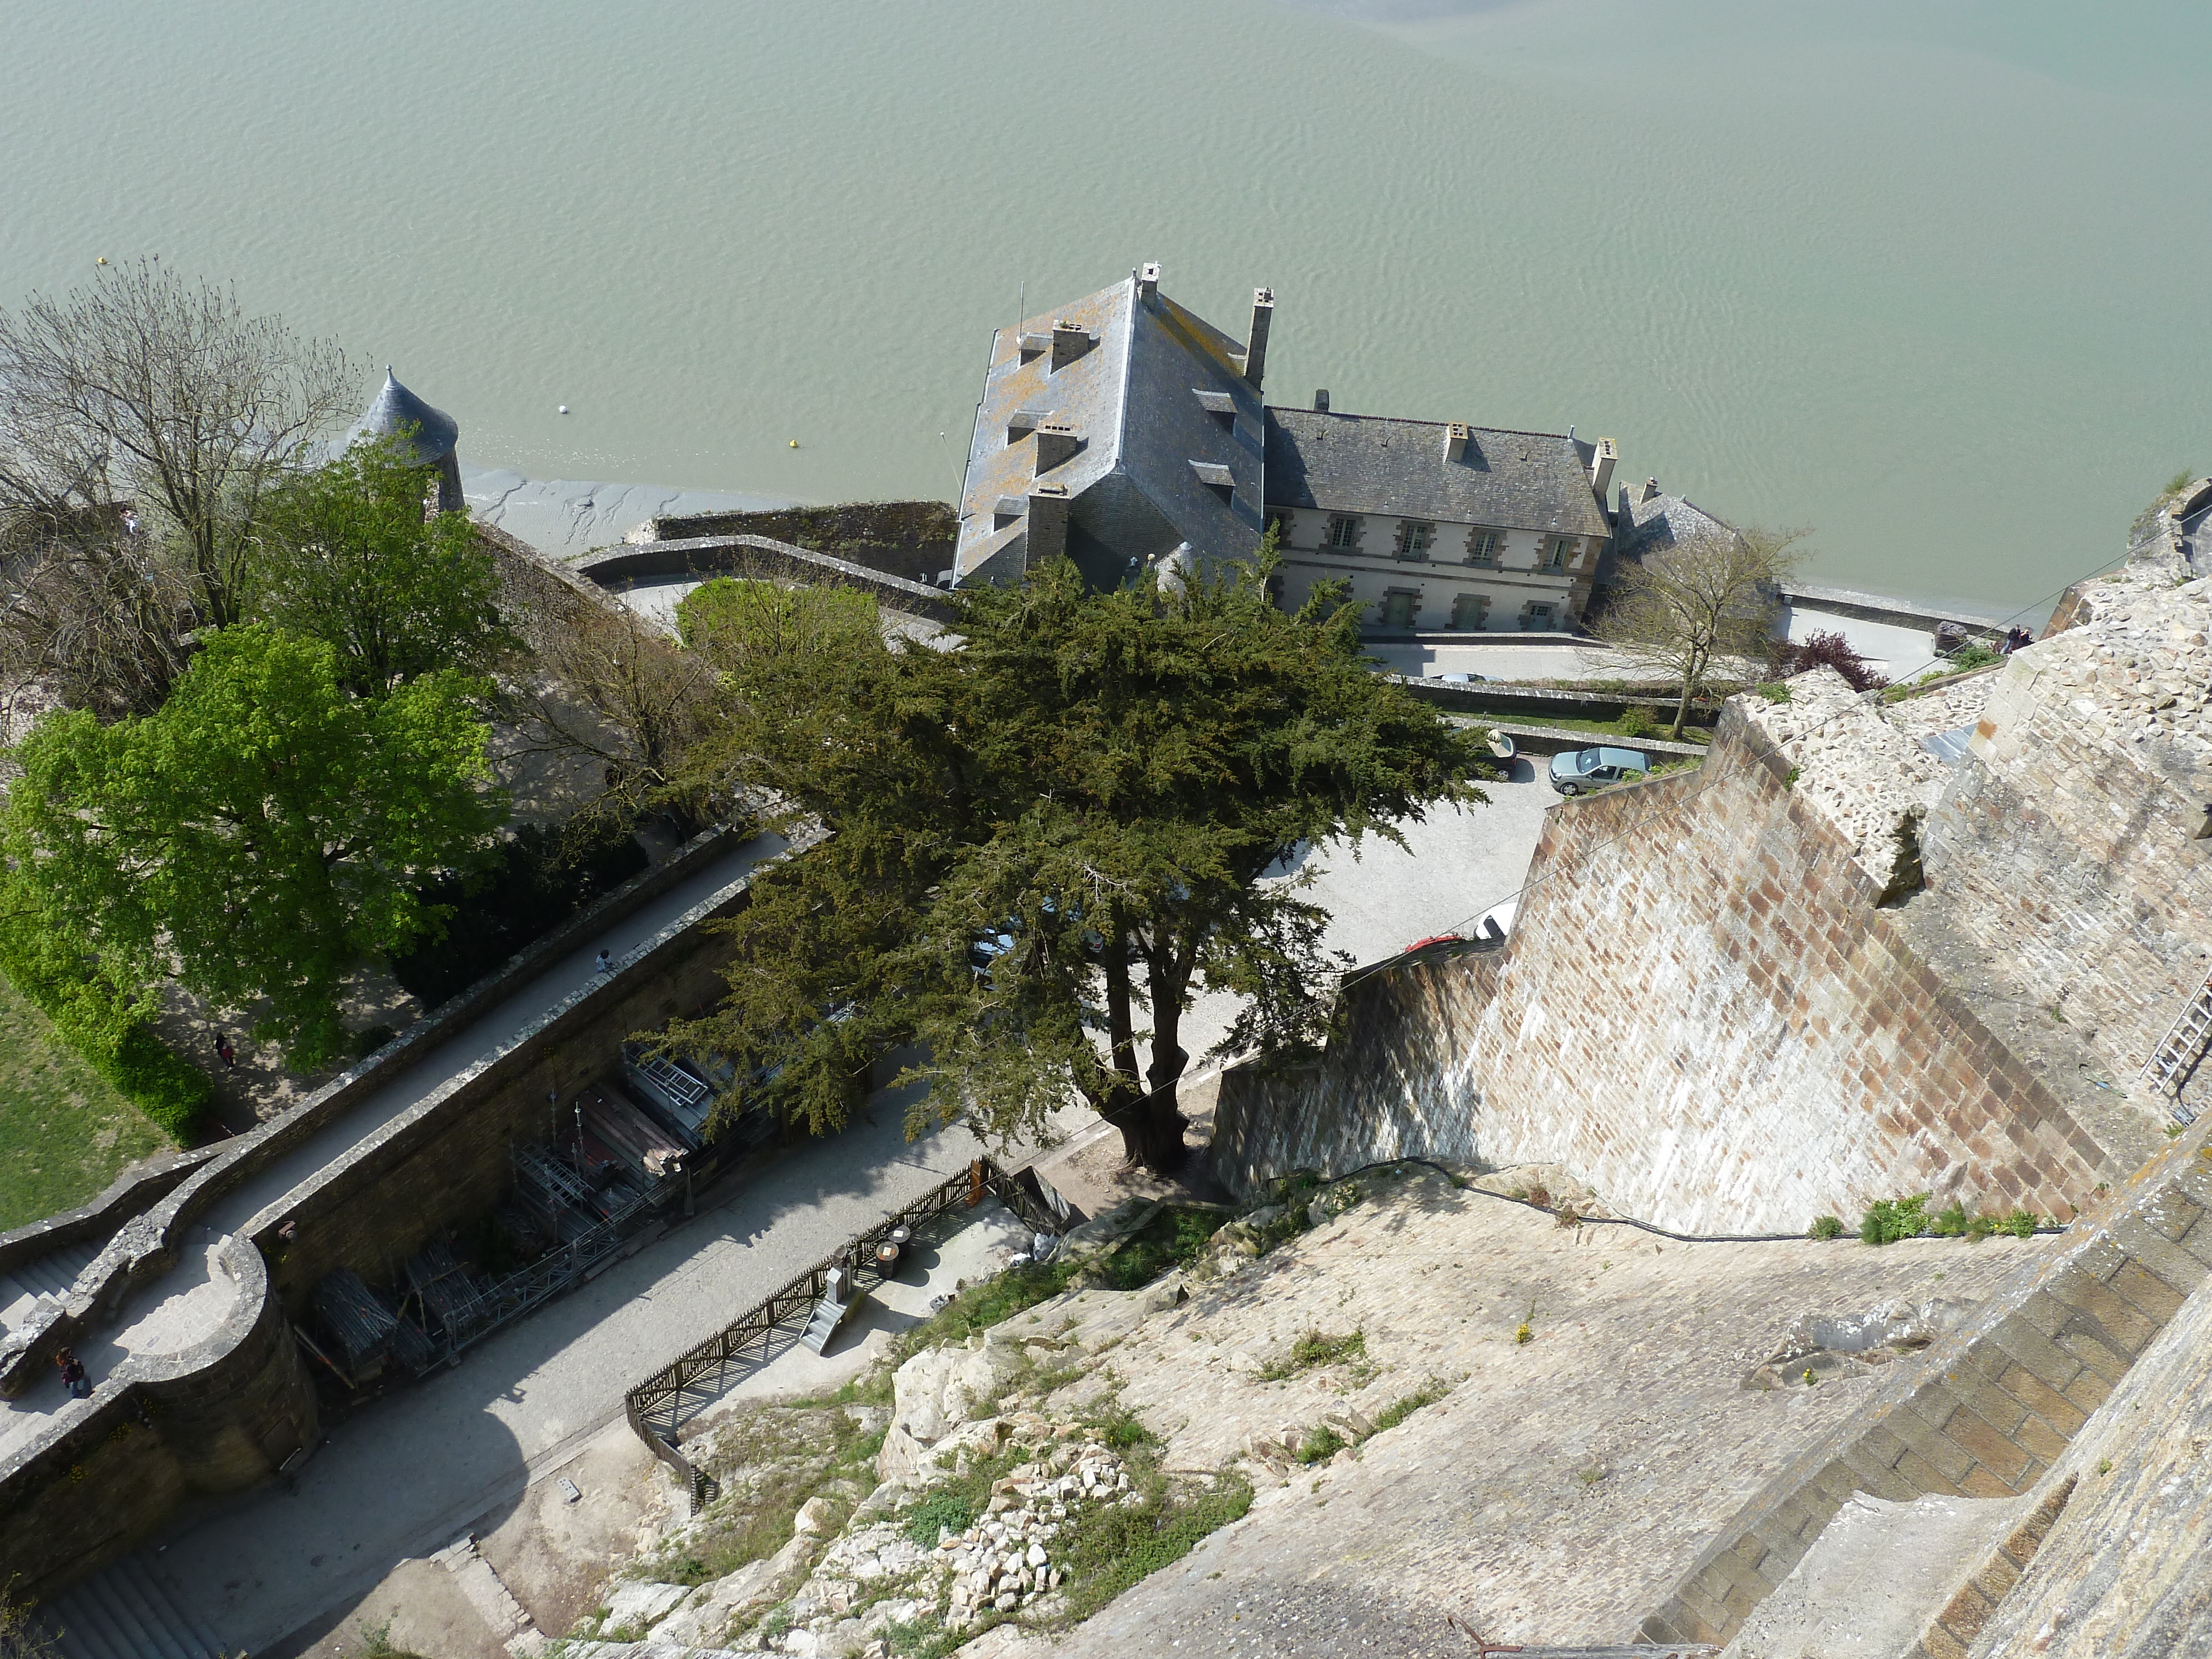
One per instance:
(1151, 1132)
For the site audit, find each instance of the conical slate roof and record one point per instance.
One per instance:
(394, 410)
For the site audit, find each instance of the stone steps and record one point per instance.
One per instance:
(125, 1611)
(51, 1274)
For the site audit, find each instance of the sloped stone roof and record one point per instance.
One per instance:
(396, 412)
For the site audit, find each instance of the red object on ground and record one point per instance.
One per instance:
(1434, 938)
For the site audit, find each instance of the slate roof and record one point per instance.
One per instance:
(1376, 464)
(394, 409)
(1169, 429)
(1663, 522)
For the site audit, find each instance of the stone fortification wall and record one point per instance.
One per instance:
(2099, 739)
(222, 1415)
(759, 557)
(447, 1158)
(911, 540)
(1991, 1411)
(1706, 1010)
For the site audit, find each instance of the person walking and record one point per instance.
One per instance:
(73, 1376)
(223, 1051)
(604, 963)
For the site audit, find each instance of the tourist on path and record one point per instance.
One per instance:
(73, 1376)
(604, 963)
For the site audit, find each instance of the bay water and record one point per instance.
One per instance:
(1925, 279)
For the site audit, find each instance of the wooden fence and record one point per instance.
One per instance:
(658, 1407)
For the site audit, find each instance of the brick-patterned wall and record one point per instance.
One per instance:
(1703, 1012)
(1991, 1407)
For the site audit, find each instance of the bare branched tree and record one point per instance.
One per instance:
(1693, 610)
(90, 615)
(144, 389)
(611, 685)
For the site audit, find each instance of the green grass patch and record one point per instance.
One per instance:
(993, 1301)
(66, 1130)
(1399, 1410)
(1111, 1547)
(955, 1510)
(1889, 1219)
(1171, 1240)
(1317, 1349)
(1627, 730)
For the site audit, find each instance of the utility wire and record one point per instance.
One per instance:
(1706, 782)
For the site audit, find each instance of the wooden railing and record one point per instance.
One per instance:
(658, 1407)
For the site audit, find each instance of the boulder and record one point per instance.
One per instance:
(637, 1605)
(705, 1619)
(816, 1516)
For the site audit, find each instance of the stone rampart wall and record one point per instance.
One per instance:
(1703, 1011)
(911, 540)
(222, 1415)
(760, 557)
(1988, 1410)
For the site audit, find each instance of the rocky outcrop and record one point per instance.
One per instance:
(944, 1399)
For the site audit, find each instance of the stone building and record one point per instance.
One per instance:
(1435, 524)
(1124, 431)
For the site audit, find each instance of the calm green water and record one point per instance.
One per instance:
(1925, 277)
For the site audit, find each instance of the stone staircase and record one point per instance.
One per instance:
(125, 1611)
(49, 1275)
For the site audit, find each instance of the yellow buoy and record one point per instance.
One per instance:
(101, 260)
(794, 443)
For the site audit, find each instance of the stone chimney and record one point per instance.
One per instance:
(1046, 537)
(1320, 401)
(1069, 342)
(1649, 492)
(1601, 468)
(1057, 441)
(1255, 344)
(1148, 282)
(1456, 436)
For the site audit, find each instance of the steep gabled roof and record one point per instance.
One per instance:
(1375, 464)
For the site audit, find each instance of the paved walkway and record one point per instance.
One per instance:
(146, 1325)
(408, 1474)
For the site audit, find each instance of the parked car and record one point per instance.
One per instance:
(1463, 679)
(1592, 768)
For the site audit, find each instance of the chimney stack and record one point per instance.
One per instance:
(1650, 491)
(1255, 345)
(1069, 342)
(1320, 401)
(1056, 442)
(1455, 440)
(1046, 537)
(1601, 468)
(1148, 282)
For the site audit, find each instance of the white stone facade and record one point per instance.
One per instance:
(1464, 577)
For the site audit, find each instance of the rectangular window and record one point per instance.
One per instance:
(1343, 532)
(1557, 554)
(1470, 610)
(1482, 547)
(1415, 539)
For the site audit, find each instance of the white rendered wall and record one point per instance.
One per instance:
(1375, 569)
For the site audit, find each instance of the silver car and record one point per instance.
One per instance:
(1592, 768)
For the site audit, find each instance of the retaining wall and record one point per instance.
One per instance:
(1989, 1408)
(1705, 1012)
(224, 1414)
(759, 556)
(911, 540)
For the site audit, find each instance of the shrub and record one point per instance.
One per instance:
(1973, 654)
(101, 1022)
(1953, 1223)
(1889, 1219)
(1775, 691)
(1825, 1227)
(955, 1510)
(1314, 1348)
(1829, 650)
(1321, 1443)
(1636, 721)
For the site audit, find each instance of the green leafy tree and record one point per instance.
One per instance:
(349, 556)
(1700, 611)
(256, 836)
(1054, 828)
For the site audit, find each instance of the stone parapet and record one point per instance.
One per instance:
(1996, 1402)
(762, 557)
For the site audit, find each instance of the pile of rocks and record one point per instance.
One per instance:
(1005, 1561)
